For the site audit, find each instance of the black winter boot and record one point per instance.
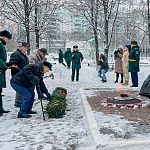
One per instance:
(121, 78)
(117, 77)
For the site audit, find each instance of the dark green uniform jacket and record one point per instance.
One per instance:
(61, 55)
(67, 56)
(134, 58)
(77, 57)
(3, 67)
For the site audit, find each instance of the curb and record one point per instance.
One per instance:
(91, 122)
(99, 139)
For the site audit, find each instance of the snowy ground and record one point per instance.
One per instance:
(68, 133)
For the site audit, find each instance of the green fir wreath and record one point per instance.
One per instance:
(57, 105)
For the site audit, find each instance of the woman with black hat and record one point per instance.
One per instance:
(5, 36)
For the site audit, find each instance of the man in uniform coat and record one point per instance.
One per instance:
(77, 58)
(18, 60)
(134, 58)
(5, 36)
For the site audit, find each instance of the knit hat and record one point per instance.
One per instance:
(134, 42)
(6, 33)
(47, 64)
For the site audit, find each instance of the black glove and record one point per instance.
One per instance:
(48, 96)
(3, 69)
(7, 64)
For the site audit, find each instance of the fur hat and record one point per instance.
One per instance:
(6, 33)
(134, 42)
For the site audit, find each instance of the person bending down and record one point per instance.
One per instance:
(24, 83)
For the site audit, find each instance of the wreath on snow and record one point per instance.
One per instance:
(57, 105)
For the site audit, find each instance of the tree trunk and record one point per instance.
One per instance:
(94, 18)
(148, 16)
(96, 46)
(28, 39)
(36, 24)
(27, 24)
(106, 39)
(106, 48)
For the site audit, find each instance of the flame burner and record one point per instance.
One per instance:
(123, 100)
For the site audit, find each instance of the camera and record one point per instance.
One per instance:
(116, 52)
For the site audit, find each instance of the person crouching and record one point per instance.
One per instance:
(103, 67)
(24, 83)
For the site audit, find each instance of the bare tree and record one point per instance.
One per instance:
(19, 11)
(101, 15)
(110, 12)
(44, 15)
(148, 18)
(34, 15)
(90, 10)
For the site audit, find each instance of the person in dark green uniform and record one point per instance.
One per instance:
(134, 58)
(61, 57)
(67, 56)
(5, 36)
(76, 58)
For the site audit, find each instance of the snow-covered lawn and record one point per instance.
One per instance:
(68, 133)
